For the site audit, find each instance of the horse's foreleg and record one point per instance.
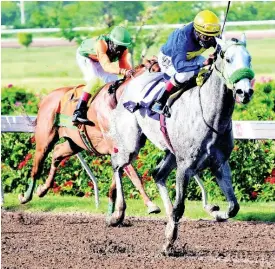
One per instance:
(132, 174)
(171, 232)
(61, 151)
(224, 179)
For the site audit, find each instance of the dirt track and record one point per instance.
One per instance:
(83, 241)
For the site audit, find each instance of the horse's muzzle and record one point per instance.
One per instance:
(244, 97)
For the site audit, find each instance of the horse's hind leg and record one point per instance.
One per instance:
(224, 179)
(183, 175)
(61, 151)
(132, 174)
(44, 144)
(112, 197)
(160, 175)
(128, 138)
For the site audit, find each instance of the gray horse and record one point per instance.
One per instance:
(200, 131)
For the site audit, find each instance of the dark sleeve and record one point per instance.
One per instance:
(179, 57)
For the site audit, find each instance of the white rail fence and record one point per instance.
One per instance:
(149, 27)
(241, 130)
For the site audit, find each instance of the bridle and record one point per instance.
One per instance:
(228, 80)
(238, 74)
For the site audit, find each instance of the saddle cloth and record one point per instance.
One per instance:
(143, 98)
(146, 97)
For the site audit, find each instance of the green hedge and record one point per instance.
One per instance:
(252, 161)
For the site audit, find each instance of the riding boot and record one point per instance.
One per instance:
(80, 113)
(159, 105)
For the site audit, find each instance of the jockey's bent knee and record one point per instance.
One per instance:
(182, 77)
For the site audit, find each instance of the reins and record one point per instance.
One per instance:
(204, 120)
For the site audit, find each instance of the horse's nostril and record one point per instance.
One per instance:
(239, 91)
(251, 91)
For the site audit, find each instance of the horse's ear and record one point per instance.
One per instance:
(243, 39)
(220, 42)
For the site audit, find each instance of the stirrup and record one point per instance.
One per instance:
(78, 120)
(157, 108)
(166, 111)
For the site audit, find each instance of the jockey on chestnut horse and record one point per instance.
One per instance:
(57, 108)
(98, 60)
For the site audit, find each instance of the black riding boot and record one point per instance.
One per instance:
(159, 105)
(80, 113)
(161, 101)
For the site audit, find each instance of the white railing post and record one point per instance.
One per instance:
(92, 177)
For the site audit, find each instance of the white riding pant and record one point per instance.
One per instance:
(166, 66)
(93, 70)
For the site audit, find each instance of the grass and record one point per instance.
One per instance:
(194, 210)
(40, 68)
(53, 67)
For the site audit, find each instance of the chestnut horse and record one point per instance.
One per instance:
(47, 135)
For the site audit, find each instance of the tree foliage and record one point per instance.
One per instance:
(91, 13)
(25, 39)
(10, 14)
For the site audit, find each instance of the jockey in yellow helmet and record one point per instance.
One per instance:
(180, 57)
(104, 58)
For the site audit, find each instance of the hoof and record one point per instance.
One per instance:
(114, 221)
(220, 216)
(166, 250)
(41, 191)
(215, 208)
(212, 208)
(154, 209)
(111, 222)
(23, 200)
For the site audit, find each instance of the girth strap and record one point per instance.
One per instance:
(86, 140)
(163, 129)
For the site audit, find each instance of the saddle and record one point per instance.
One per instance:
(69, 100)
(114, 86)
(63, 117)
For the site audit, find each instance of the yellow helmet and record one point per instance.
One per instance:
(207, 23)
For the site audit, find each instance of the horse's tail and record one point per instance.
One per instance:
(28, 118)
(32, 123)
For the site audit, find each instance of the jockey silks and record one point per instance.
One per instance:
(182, 46)
(99, 51)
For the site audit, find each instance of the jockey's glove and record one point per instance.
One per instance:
(208, 61)
(129, 73)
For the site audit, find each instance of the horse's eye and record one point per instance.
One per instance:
(228, 60)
